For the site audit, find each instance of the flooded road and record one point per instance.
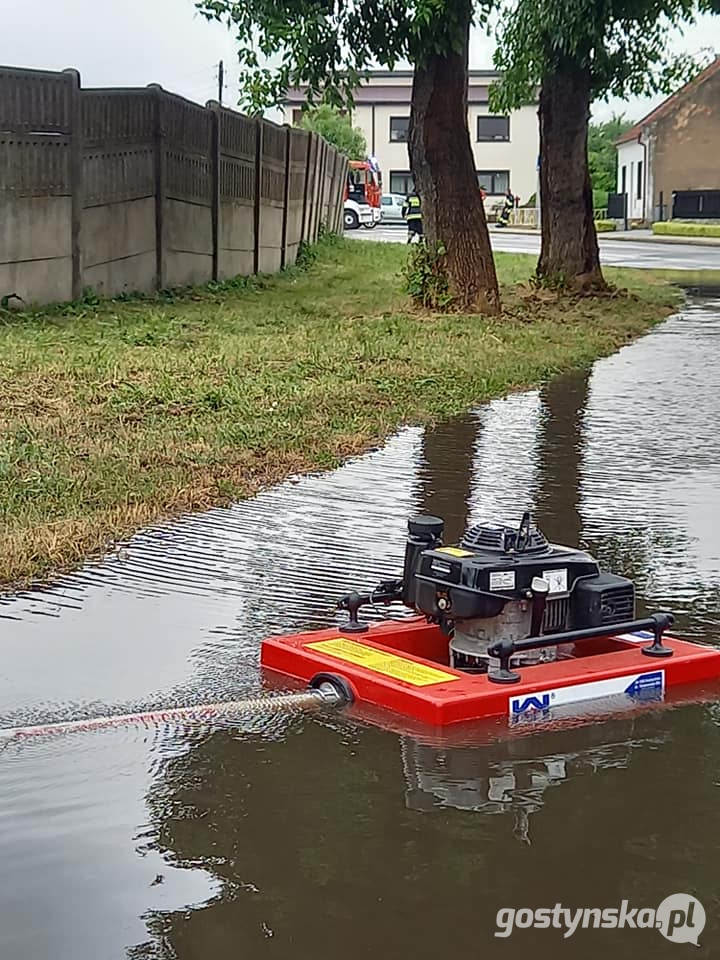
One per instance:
(317, 837)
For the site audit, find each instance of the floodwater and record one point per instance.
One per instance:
(322, 836)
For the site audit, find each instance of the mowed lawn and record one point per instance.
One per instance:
(122, 412)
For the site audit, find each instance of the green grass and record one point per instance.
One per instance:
(118, 413)
(678, 228)
(605, 226)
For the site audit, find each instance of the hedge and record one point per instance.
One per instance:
(676, 228)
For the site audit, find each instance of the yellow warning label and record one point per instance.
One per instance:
(454, 551)
(388, 664)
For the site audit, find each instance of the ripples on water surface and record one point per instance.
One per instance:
(302, 837)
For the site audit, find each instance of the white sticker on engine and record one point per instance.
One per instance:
(502, 580)
(557, 580)
(639, 636)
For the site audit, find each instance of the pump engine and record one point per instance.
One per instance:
(500, 584)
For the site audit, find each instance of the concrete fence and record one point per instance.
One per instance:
(123, 190)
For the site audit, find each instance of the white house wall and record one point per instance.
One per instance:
(631, 156)
(518, 155)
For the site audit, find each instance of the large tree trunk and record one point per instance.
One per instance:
(569, 252)
(442, 164)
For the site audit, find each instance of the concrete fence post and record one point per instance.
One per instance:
(340, 198)
(258, 192)
(323, 170)
(317, 188)
(76, 182)
(286, 200)
(337, 182)
(215, 108)
(160, 186)
(303, 224)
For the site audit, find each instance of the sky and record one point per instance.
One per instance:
(135, 42)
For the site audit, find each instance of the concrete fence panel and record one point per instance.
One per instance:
(118, 242)
(187, 219)
(237, 186)
(36, 184)
(122, 189)
(272, 196)
(297, 168)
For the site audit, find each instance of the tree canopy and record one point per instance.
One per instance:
(602, 153)
(328, 47)
(282, 43)
(574, 52)
(337, 129)
(622, 44)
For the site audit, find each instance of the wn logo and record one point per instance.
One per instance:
(531, 704)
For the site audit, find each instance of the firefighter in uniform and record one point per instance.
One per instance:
(412, 211)
(508, 207)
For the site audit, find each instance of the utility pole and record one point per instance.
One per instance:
(221, 81)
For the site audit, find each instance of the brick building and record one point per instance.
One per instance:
(675, 147)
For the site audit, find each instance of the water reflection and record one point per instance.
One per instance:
(559, 457)
(511, 778)
(308, 835)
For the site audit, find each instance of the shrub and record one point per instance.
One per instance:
(678, 228)
(426, 278)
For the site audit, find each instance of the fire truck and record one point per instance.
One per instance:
(363, 193)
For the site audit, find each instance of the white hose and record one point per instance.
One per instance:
(325, 695)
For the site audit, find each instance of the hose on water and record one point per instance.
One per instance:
(324, 692)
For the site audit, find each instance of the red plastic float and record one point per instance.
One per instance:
(403, 667)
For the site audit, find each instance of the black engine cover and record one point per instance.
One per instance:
(496, 564)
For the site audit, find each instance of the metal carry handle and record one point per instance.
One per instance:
(504, 650)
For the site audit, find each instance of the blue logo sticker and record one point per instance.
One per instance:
(520, 705)
(648, 686)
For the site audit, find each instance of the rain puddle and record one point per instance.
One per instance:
(300, 836)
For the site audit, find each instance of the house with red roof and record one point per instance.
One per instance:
(676, 147)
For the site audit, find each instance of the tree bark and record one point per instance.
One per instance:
(443, 168)
(569, 251)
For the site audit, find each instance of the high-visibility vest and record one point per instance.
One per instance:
(414, 209)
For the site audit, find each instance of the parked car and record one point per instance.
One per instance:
(358, 213)
(392, 204)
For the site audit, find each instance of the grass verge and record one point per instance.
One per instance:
(119, 413)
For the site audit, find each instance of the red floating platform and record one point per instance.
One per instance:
(403, 667)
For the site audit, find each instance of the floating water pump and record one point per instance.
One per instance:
(504, 584)
(500, 586)
(505, 623)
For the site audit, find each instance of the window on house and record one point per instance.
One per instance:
(401, 181)
(493, 128)
(640, 180)
(399, 129)
(494, 181)
(623, 188)
(297, 117)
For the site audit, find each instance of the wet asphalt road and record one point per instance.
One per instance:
(650, 254)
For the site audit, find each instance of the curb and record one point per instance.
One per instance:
(623, 237)
(693, 241)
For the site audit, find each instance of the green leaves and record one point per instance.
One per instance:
(622, 42)
(602, 157)
(329, 45)
(337, 129)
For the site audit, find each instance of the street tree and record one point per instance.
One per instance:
(328, 46)
(337, 129)
(602, 154)
(576, 51)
